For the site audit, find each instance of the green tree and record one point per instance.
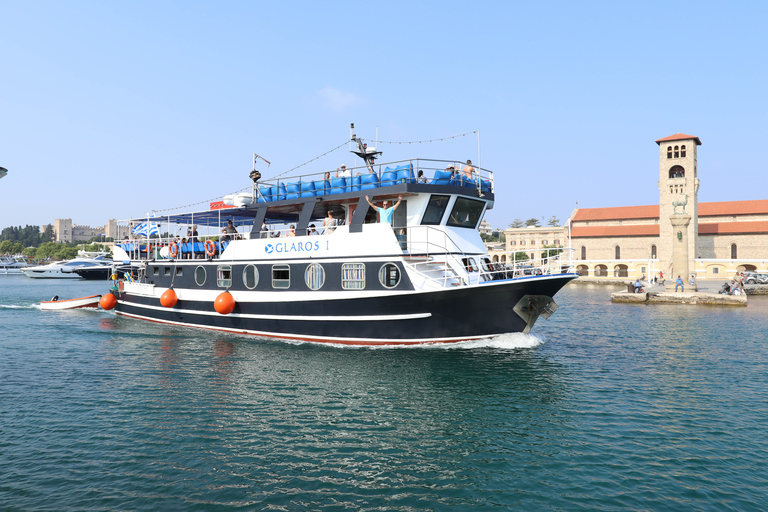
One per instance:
(29, 252)
(5, 246)
(553, 221)
(517, 223)
(48, 234)
(518, 256)
(66, 252)
(533, 222)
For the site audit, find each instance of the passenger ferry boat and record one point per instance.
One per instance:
(425, 278)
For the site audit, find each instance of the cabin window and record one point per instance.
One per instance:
(469, 264)
(250, 276)
(314, 276)
(281, 276)
(166, 271)
(179, 271)
(353, 276)
(669, 151)
(155, 271)
(435, 210)
(677, 152)
(466, 213)
(389, 275)
(734, 252)
(200, 276)
(224, 276)
(682, 151)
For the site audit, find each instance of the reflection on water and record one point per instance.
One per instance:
(604, 406)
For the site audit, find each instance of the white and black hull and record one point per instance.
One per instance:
(443, 316)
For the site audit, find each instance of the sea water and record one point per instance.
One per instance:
(603, 407)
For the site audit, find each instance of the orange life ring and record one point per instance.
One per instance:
(173, 249)
(210, 248)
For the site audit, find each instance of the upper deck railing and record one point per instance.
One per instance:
(354, 179)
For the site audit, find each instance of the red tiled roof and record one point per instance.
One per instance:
(754, 207)
(723, 228)
(679, 136)
(617, 213)
(734, 208)
(602, 231)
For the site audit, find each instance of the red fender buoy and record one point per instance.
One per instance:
(169, 298)
(108, 301)
(224, 303)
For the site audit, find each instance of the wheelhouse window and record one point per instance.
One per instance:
(281, 276)
(353, 276)
(469, 264)
(435, 210)
(166, 271)
(179, 271)
(155, 271)
(389, 275)
(224, 276)
(466, 213)
(314, 276)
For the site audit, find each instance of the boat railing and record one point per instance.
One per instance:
(353, 179)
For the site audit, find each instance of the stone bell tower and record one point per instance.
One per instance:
(678, 203)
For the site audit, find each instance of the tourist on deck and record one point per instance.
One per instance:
(329, 223)
(385, 212)
(344, 172)
(421, 178)
(292, 230)
(469, 171)
(312, 230)
(679, 282)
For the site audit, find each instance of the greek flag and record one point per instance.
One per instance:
(146, 229)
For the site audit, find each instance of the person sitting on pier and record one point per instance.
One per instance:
(679, 282)
(385, 212)
(692, 282)
(638, 286)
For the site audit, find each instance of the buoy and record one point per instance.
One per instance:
(173, 249)
(169, 299)
(224, 303)
(210, 248)
(108, 301)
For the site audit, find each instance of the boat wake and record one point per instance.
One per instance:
(507, 341)
(19, 306)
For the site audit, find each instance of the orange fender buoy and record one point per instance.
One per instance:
(169, 298)
(224, 303)
(174, 249)
(108, 301)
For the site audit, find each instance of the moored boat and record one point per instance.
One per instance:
(418, 273)
(65, 269)
(80, 302)
(12, 265)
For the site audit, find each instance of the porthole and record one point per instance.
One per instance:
(389, 275)
(314, 276)
(250, 276)
(200, 276)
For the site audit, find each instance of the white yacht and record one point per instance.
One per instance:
(65, 269)
(11, 265)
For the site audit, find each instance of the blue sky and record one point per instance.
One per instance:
(110, 110)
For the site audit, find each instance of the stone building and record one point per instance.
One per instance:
(67, 232)
(533, 241)
(631, 241)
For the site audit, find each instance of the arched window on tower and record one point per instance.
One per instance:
(677, 171)
(653, 252)
(682, 151)
(677, 152)
(734, 253)
(583, 253)
(618, 253)
(669, 151)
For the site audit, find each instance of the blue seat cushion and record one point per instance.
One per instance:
(338, 185)
(441, 178)
(388, 178)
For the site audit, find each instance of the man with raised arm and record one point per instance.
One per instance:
(386, 211)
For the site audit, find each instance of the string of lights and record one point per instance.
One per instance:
(250, 187)
(423, 141)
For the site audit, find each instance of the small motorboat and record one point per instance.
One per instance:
(82, 302)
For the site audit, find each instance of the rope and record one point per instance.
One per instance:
(423, 141)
